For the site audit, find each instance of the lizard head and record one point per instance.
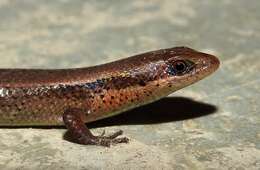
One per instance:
(184, 66)
(171, 69)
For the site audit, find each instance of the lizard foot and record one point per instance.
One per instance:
(74, 121)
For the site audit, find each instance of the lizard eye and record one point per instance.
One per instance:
(180, 66)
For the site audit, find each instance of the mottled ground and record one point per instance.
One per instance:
(214, 125)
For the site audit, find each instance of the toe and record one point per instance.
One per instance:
(116, 134)
(120, 140)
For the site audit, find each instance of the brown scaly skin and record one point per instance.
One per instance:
(76, 96)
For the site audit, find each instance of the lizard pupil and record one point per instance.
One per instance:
(180, 66)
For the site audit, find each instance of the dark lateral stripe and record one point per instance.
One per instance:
(119, 82)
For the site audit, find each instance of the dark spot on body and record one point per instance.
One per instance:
(98, 91)
(142, 83)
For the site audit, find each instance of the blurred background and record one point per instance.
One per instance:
(214, 124)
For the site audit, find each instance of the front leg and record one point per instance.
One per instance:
(74, 121)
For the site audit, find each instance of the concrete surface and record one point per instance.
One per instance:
(215, 124)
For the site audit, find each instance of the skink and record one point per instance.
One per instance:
(73, 97)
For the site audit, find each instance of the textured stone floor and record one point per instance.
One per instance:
(214, 124)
